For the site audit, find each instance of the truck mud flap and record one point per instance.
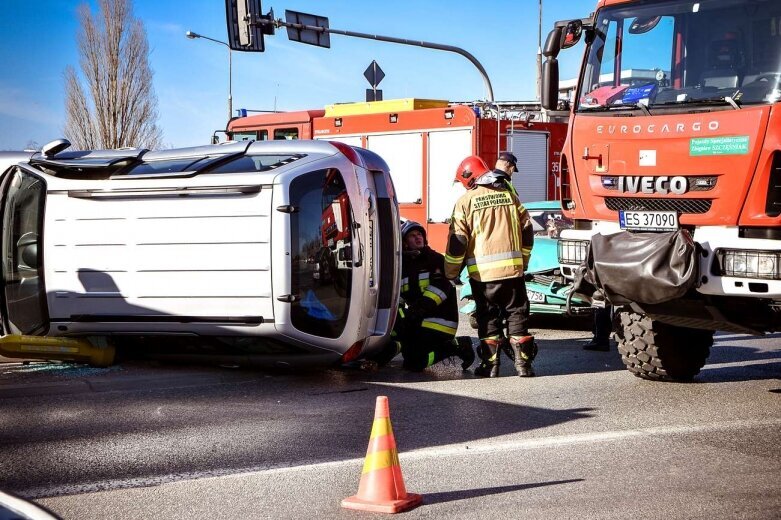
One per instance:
(647, 268)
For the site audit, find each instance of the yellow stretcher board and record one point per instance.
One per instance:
(60, 349)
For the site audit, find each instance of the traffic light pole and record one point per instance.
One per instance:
(417, 43)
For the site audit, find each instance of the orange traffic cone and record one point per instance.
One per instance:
(382, 487)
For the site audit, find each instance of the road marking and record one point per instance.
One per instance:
(585, 438)
(462, 449)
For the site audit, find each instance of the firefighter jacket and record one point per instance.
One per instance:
(490, 232)
(428, 295)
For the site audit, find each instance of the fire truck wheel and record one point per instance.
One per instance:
(658, 351)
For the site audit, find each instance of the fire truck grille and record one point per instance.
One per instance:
(679, 205)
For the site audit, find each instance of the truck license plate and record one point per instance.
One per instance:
(535, 297)
(648, 220)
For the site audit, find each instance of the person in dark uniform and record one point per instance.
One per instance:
(603, 326)
(425, 329)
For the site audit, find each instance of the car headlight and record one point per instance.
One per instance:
(750, 264)
(572, 251)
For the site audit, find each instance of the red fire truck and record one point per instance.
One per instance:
(674, 181)
(423, 141)
(335, 235)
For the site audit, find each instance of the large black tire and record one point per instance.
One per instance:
(654, 350)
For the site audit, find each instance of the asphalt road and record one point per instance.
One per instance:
(584, 439)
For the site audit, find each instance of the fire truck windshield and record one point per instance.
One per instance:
(665, 54)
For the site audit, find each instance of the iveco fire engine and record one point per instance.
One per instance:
(671, 172)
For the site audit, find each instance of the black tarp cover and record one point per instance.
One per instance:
(648, 268)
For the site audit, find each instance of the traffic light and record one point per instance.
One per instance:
(246, 25)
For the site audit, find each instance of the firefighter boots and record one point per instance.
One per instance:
(504, 346)
(489, 358)
(464, 350)
(387, 353)
(525, 350)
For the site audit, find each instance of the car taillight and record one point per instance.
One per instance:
(349, 152)
(353, 352)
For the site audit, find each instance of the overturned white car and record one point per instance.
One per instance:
(286, 251)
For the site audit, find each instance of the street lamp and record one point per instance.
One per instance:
(193, 35)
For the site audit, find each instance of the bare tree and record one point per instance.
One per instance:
(118, 106)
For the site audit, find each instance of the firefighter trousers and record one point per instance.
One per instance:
(498, 304)
(422, 347)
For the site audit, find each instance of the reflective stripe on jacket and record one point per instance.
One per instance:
(490, 233)
(424, 287)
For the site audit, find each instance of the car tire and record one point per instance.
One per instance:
(658, 351)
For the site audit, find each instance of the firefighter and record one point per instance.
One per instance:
(425, 330)
(491, 233)
(602, 327)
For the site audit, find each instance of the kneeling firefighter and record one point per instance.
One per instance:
(491, 233)
(425, 330)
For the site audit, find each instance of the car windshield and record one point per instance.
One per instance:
(713, 54)
(548, 222)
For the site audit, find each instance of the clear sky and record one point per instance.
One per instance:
(38, 40)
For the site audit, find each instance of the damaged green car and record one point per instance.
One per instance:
(546, 288)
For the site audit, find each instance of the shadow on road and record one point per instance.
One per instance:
(730, 348)
(64, 444)
(731, 360)
(555, 358)
(558, 322)
(732, 374)
(125, 429)
(463, 494)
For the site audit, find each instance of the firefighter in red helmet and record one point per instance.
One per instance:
(425, 330)
(491, 234)
(471, 169)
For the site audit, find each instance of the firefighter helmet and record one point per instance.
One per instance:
(409, 225)
(470, 170)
